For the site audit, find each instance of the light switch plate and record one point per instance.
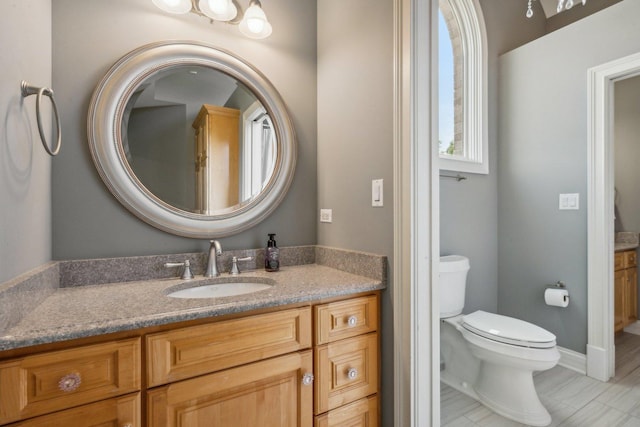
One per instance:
(570, 201)
(377, 192)
(326, 215)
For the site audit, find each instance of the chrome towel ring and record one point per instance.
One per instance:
(28, 90)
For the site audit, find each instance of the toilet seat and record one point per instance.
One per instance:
(508, 330)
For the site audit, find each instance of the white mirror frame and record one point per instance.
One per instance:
(105, 140)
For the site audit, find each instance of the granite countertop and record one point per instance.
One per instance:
(622, 246)
(83, 311)
(626, 241)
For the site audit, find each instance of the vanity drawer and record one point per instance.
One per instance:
(344, 319)
(192, 351)
(618, 261)
(345, 371)
(120, 411)
(361, 413)
(630, 259)
(48, 382)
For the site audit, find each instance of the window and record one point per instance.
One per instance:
(463, 141)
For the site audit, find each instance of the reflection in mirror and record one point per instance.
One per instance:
(198, 139)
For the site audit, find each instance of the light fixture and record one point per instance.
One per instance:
(562, 5)
(252, 23)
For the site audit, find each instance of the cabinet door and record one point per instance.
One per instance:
(118, 412)
(620, 279)
(362, 413)
(269, 393)
(631, 311)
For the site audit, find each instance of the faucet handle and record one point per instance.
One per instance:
(186, 273)
(234, 264)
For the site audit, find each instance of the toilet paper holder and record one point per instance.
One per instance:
(558, 284)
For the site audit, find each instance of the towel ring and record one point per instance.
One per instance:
(28, 90)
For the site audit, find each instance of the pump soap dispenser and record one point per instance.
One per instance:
(272, 255)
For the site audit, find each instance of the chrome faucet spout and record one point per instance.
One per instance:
(212, 265)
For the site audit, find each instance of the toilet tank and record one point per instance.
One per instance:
(453, 281)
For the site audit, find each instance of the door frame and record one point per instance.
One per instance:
(600, 212)
(416, 216)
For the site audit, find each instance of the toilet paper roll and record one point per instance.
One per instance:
(556, 297)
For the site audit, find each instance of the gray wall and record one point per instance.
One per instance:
(88, 37)
(627, 153)
(25, 168)
(542, 153)
(162, 154)
(355, 140)
(468, 209)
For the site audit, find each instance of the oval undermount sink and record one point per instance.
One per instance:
(220, 290)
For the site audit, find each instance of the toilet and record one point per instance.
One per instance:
(491, 357)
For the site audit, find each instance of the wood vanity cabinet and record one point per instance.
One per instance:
(625, 289)
(294, 367)
(347, 363)
(238, 381)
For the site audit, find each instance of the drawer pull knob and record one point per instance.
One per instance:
(352, 373)
(70, 382)
(352, 321)
(307, 379)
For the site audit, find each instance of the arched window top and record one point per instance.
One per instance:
(463, 88)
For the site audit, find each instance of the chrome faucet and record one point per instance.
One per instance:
(212, 265)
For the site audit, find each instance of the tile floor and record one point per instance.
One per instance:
(573, 399)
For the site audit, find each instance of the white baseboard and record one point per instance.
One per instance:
(573, 360)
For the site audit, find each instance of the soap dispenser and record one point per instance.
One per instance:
(272, 255)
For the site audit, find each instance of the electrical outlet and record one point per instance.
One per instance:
(326, 215)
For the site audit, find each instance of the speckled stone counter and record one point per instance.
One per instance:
(626, 241)
(82, 311)
(621, 247)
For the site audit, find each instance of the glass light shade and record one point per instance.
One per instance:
(254, 23)
(209, 7)
(219, 6)
(174, 6)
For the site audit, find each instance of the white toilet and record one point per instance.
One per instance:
(491, 357)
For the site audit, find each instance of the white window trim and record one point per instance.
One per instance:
(475, 158)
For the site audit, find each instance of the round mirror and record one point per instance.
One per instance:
(191, 139)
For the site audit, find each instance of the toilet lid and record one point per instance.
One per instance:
(508, 330)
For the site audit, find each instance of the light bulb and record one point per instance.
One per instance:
(220, 10)
(174, 6)
(219, 6)
(569, 4)
(255, 24)
(560, 6)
